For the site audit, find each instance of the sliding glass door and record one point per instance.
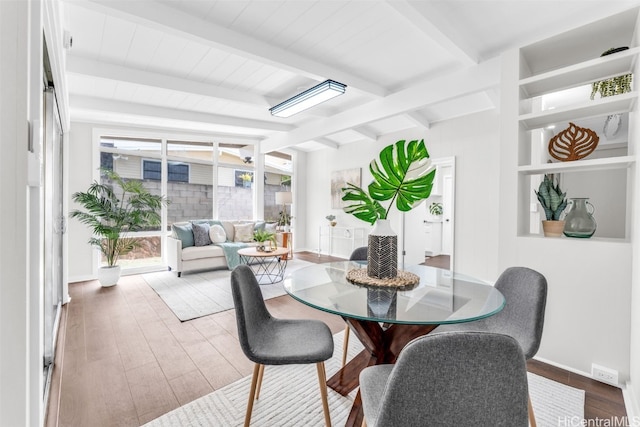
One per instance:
(54, 228)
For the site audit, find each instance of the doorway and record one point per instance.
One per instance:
(429, 228)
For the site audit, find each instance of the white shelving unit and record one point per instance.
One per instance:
(562, 75)
(328, 236)
(591, 281)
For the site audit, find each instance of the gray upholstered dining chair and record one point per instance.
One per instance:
(449, 379)
(358, 254)
(266, 340)
(525, 293)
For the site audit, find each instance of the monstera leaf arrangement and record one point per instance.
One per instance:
(403, 175)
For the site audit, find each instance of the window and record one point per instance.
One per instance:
(177, 172)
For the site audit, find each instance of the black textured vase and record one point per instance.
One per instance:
(382, 254)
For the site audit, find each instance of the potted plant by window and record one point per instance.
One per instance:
(553, 202)
(404, 176)
(112, 211)
(284, 220)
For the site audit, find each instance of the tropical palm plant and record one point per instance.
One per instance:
(404, 176)
(112, 214)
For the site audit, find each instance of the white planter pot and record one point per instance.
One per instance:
(108, 276)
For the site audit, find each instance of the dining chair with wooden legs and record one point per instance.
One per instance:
(266, 340)
(525, 293)
(449, 379)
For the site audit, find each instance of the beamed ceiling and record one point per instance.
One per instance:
(215, 67)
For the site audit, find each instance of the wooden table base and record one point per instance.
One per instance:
(382, 344)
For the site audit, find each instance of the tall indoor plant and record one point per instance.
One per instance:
(114, 213)
(404, 177)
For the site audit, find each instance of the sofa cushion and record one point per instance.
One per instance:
(217, 234)
(228, 229)
(270, 226)
(259, 226)
(243, 232)
(199, 252)
(201, 234)
(184, 232)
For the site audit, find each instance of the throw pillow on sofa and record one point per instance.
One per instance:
(243, 232)
(201, 234)
(217, 234)
(184, 232)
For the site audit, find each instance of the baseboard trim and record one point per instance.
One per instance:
(631, 404)
(83, 278)
(570, 369)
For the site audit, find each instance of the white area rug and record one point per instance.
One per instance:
(199, 294)
(290, 397)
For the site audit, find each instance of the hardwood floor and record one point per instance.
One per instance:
(124, 358)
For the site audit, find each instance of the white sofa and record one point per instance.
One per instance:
(183, 256)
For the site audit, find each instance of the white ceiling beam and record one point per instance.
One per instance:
(464, 82)
(418, 119)
(113, 72)
(436, 30)
(327, 142)
(366, 133)
(174, 21)
(133, 109)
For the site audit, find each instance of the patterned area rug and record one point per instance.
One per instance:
(203, 293)
(290, 397)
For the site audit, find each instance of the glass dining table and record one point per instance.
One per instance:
(386, 318)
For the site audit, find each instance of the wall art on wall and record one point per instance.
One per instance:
(338, 180)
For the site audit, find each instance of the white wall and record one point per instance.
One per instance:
(81, 175)
(473, 140)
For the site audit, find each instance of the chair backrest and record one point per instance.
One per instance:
(457, 379)
(359, 254)
(251, 312)
(525, 292)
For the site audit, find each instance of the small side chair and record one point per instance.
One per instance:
(266, 340)
(449, 379)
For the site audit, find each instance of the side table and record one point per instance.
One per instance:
(268, 267)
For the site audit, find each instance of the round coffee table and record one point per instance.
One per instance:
(268, 267)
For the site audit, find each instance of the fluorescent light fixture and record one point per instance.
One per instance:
(309, 98)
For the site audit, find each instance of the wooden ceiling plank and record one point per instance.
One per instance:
(436, 31)
(104, 70)
(174, 21)
(133, 109)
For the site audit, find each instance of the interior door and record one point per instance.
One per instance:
(54, 227)
(447, 214)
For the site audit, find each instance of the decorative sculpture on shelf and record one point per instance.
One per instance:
(573, 143)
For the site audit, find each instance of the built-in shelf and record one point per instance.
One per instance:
(607, 163)
(600, 107)
(569, 240)
(578, 74)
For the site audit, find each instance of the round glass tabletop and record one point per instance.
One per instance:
(440, 297)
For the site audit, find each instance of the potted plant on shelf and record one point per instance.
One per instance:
(331, 219)
(553, 202)
(404, 176)
(263, 236)
(113, 214)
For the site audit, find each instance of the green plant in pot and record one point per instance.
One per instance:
(553, 203)
(263, 236)
(402, 176)
(112, 211)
